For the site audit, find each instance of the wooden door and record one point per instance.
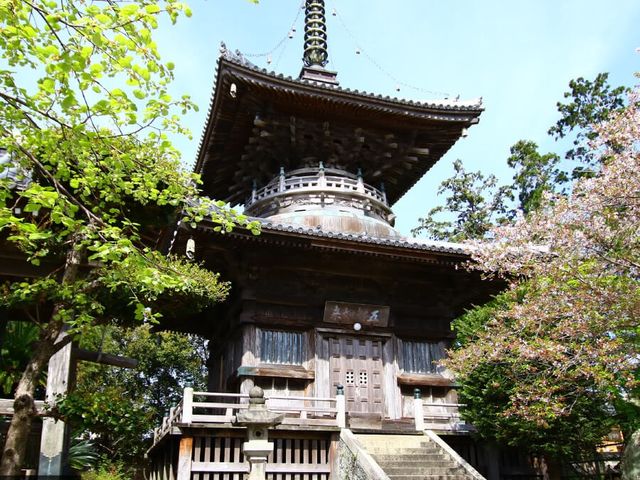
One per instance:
(356, 363)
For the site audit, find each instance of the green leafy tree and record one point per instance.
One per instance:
(490, 390)
(120, 407)
(18, 340)
(591, 103)
(474, 201)
(85, 117)
(476, 204)
(534, 175)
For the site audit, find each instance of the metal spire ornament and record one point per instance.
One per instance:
(316, 55)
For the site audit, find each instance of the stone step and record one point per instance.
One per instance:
(430, 457)
(412, 457)
(421, 470)
(393, 450)
(430, 477)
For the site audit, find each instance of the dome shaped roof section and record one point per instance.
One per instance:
(331, 200)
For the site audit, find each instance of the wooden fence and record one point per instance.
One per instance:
(202, 408)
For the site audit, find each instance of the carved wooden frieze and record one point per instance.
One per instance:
(352, 313)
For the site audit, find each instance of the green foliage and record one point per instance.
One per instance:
(592, 103)
(104, 177)
(107, 471)
(534, 174)
(474, 200)
(82, 455)
(18, 341)
(94, 184)
(478, 204)
(120, 407)
(552, 364)
(468, 326)
(490, 394)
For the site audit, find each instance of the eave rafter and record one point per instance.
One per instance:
(271, 122)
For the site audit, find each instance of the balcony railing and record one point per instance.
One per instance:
(319, 182)
(221, 408)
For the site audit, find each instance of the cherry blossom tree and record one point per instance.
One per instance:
(563, 347)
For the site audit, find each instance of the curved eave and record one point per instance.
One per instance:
(433, 252)
(328, 101)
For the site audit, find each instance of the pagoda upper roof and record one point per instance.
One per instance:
(260, 121)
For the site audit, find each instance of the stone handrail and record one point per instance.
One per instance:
(454, 455)
(360, 458)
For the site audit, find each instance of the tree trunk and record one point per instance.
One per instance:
(24, 410)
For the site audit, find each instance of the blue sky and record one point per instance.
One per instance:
(517, 55)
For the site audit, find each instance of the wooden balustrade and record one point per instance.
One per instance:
(437, 416)
(318, 182)
(202, 408)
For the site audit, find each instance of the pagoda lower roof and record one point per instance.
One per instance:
(260, 121)
(282, 234)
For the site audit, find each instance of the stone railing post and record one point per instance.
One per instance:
(187, 405)
(341, 406)
(418, 410)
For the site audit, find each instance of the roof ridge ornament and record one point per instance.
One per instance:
(316, 55)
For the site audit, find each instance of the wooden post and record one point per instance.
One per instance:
(341, 405)
(55, 434)
(184, 458)
(417, 409)
(187, 406)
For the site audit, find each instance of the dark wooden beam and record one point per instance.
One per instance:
(420, 379)
(104, 358)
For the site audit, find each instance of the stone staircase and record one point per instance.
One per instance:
(414, 457)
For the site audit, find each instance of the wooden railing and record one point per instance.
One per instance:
(435, 416)
(201, 408)
(6, 406)
(320, 182)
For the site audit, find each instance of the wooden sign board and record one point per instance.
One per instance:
(350, 313)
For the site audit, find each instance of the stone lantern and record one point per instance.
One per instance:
(257, 418)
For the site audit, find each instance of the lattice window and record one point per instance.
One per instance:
(286, 348)
(421, 357)
(363, 378)
(349, 378)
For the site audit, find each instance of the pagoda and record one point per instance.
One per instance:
(335, 315)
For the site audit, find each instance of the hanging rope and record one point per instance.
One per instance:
(361, 51)
(288, 36)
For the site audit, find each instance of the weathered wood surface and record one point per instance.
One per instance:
(421, 379)
(6, 406)
(296, 456)
(283, 371)
(184, 458)
(54, 439)
(104, 358)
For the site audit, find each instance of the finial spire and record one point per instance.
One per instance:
(316, 56)
(315, 35)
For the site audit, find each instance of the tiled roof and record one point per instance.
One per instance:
(473, 105)
(402, 242)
